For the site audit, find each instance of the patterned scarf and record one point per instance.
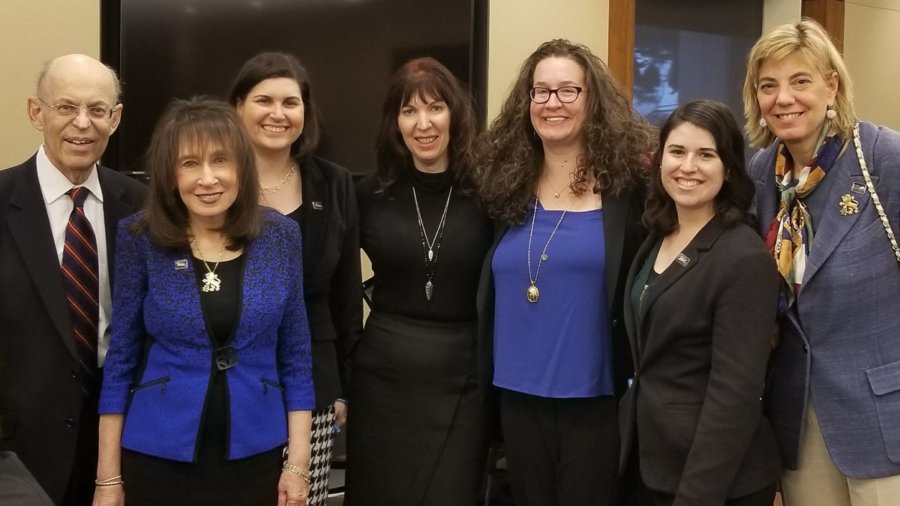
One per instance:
(790, 234)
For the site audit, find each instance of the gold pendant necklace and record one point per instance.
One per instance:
(532, 293)
(211, 280)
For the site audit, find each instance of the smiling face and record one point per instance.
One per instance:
(556, 123)
(691, 171)
(793, 97)
(207, 181)
(272, 114)
(425, 127)
(75, 143)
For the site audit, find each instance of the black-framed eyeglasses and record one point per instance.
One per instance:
(565, 94)
(67, 110)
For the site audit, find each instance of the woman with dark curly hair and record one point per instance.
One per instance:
(700, 313)
(415, 432)
(562, 173)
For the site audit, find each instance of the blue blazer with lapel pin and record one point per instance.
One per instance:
(840, 348)
(160, 359)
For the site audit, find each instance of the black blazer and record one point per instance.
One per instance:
(331, 274)
(700, 361)
(623, 233)
(41, 389)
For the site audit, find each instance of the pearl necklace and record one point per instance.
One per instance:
(284, 179)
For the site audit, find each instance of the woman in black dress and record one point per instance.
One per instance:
(272, 95)
(415, 433)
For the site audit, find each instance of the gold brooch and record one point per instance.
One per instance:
(849, 205)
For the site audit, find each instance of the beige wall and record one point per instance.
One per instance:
(517, 27)
(779, 12)
(32, 32)
(871, 40)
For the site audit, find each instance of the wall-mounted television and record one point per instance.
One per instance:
(180, 48)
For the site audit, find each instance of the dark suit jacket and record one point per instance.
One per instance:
(623, 232)
(700, 361)
(331, 274)
(41, 389)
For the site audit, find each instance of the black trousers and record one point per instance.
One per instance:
(560, 452)
(81, 482)
(212, 481)
(763, 497)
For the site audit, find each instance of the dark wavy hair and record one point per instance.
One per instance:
(732, 203)
(273, 65)
(616, 140)
(427, 78)
(200, 120)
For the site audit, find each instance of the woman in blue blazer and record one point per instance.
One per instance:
(700, 314)
(828, 199)
(208, 373)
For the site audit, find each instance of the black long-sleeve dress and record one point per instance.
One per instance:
(415, 434)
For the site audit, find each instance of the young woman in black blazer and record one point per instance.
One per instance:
(700, 316)
(272, 96)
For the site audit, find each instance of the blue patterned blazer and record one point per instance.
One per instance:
(840, 349)
(162, 390)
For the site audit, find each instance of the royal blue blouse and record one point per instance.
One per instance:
(559, 346)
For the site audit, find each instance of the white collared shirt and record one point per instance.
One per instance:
(54, 186)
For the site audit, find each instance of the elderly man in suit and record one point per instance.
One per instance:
(58, 216)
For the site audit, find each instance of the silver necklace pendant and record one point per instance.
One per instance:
(429, 289)
(556, 194)
(430, 254)
(533, 293)
(211, 282)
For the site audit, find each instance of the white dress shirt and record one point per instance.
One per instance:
(54, 186)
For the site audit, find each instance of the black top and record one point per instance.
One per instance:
(221, 310)
(389, 234)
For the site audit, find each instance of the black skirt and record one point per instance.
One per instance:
(415, 434)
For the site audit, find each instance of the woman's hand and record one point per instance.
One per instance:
(110, 496)
(340, 413)
(292, 490)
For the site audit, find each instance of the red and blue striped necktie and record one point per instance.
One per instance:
(81, 280)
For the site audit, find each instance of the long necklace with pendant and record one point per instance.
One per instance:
(532, 293)
(432, 247)
(211, 280)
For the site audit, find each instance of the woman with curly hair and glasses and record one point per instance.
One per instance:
(562, 171)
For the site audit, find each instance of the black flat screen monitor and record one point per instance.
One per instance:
(180, 48)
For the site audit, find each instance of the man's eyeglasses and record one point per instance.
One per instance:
(66, 110)
(565, 94)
